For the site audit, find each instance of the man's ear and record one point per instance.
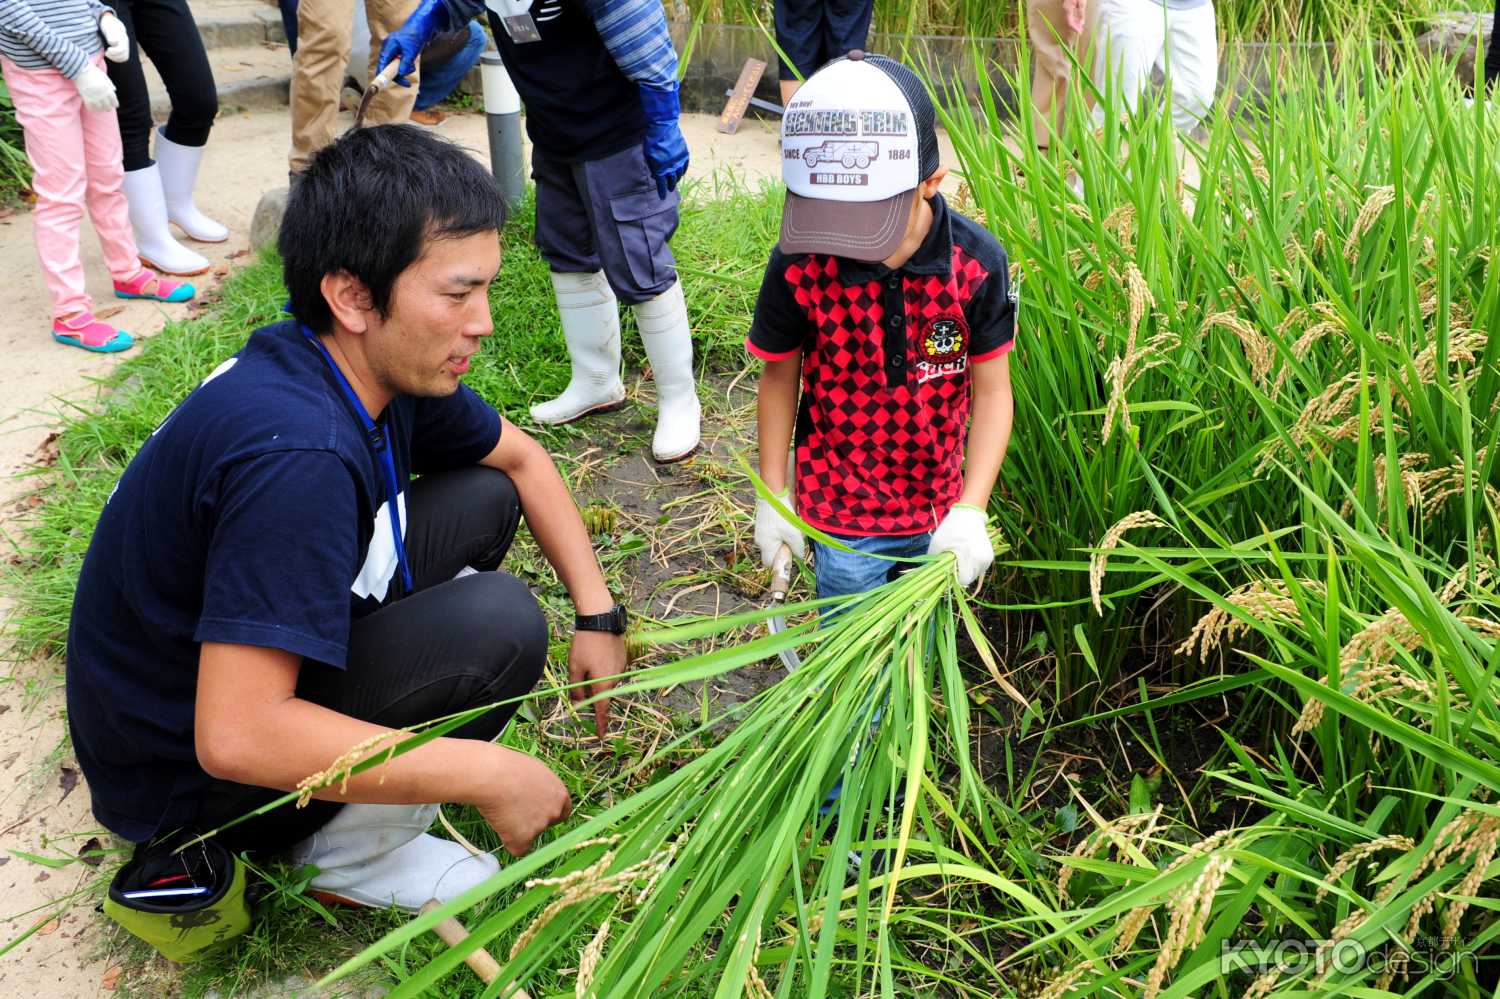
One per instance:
(348, 299)
(934, 181)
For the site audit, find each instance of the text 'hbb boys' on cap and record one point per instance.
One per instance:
(856, 140)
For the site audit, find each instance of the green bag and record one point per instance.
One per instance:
(181, 901)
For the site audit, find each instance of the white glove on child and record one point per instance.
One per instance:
(772, 530)
(116, 41)
(963, 533)
(94, 87)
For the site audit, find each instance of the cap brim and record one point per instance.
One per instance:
(859, 230)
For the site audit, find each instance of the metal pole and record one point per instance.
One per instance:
(502, 112)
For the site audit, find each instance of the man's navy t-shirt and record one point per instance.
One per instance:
(255, 515)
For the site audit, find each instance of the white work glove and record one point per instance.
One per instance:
(772, 530)
(116, 41)
(963, 533)
(94, 87)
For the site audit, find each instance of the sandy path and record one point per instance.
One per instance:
(245, 158)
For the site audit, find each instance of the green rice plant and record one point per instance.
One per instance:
(1207, 314)
(728, 875)
(15, 168)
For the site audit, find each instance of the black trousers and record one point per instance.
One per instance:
(166, 32)
(450, 645)
(814, 32)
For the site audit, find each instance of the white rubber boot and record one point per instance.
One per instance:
(178, 166)
(381, 856)
(148, 218)
(663, 322)
(591, 327)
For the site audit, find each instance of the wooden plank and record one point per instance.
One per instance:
(739, 98)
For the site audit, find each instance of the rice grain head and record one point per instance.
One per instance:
(588, 961)
(1379, 200)
(1265, 600)
(1351, 857)
(1099, 561)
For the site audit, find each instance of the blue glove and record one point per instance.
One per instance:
(407, 42)
(665, 148)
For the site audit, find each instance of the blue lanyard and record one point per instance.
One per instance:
(375, 435)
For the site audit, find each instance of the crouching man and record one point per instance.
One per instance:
(268, 586)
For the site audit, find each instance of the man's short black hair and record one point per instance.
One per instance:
(368, 203)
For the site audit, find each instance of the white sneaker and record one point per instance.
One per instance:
(381, 856)
(591, 326)
(148, 219)
(668, 339)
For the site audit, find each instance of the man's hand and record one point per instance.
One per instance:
(527, 798)
(963, 533)
(1073, 15)
(772, 530)
(407, 42)
(116, 40)
(597, 658)
(665, 149)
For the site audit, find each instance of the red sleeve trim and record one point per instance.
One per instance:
(1004, 348)
(766, 355)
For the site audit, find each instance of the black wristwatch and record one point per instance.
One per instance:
(612, 621)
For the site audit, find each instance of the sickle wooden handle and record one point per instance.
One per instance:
(479, 960)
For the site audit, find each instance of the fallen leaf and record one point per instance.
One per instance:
(92, 852)
(46, 451)
(50, 928)
(67, 779)
(220, 270)
(111, 979)
(238, 254)
(105, 313)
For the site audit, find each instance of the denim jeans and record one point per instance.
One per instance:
(441, 79)
(840, 573)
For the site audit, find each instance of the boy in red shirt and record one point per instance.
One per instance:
(885, 320)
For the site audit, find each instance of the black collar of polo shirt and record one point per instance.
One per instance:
(934, 256)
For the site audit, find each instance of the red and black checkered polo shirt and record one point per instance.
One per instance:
(885, 372)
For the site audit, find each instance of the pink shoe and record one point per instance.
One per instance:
(145, 284)
(88, 333)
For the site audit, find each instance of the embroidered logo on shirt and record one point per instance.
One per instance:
(943, 347)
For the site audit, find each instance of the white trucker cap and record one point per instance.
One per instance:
(856, 140)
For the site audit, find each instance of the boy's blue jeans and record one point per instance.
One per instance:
(840, 573)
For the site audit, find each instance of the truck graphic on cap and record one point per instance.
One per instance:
(850, 152)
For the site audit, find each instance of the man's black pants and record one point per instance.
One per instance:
(450, 645)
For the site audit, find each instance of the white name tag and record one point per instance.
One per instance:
(515, 18)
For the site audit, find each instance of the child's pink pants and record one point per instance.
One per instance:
(75, 159)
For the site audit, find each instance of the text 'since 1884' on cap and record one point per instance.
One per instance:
(856, 140)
